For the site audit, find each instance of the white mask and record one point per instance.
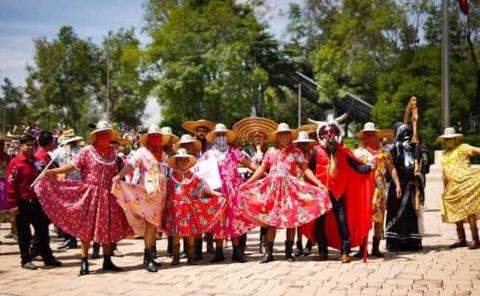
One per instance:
(221, 143)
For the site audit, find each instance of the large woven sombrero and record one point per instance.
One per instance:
(309, 128)
(246, 127)
(191, 126)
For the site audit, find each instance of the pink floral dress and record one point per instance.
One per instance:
(232, 224)
(86, 209)
(144, 201)
(188, 211)
(282, 200)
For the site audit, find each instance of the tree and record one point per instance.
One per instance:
(13, 105)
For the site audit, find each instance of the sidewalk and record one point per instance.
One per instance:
(434, 271)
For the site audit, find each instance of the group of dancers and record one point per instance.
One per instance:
(306, 181)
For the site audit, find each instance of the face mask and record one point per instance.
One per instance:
(155, 141)
(221, 143)
(102, 140)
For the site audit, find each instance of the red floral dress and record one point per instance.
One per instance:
(86, 209)
(187, 211)
(282, 200)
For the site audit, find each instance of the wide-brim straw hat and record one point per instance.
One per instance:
(282, 128)
(166, 130)
(191, 126)
(309, 128)
(246, 127)
(181, 153)
(367, 127)
(103, 126)
(122, 141)
(154, 130)
(68, 136)
(449, 133)
(186, 139)
(221, 128)
(388, 134)
(303, 138)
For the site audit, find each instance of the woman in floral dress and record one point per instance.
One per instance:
(461, 196)
(86, 209)
(233, 224)
(281, 200)
(143, 203)
(188, 213)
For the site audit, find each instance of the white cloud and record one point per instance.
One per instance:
(152, 113)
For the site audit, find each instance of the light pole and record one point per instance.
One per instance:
(445, 66)
(299, 104)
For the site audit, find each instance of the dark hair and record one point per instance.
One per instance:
(25, 139)
(45, 138)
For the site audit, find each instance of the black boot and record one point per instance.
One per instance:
(376, 248)
(84, 266)
(308, 248)
(154, 250)
(219, 256)
(169, 246)
(198, 248)
(475, 244)
(237, 255)
(288, 251)
(268, 257)
(108, 264)
(176, 255)
(359, 253)
(261, 245)
(299, 250)
(148, 262)
(462, 238)
(96, 251)
(153, 255)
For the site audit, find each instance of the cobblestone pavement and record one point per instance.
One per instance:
(434, 271)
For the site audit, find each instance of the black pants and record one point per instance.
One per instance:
(338, 207)
(31, 212)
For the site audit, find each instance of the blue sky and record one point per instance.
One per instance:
(21, 21)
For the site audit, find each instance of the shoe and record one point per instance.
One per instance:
(237, 255)
(84, 266)
(289, 251)
(176, 255)
(219, 256)
(345, 259)
(9, 235)
(52, 262)
(96, 251)
(268, 257)
(359, 253)
(115, 251)
(299, 250)
(153, 255)
(261, 245)
(68, 244)
(148, 262)
(322, 256)
(308, 249)
(475, 244)
(29, 265)
(462, 238)
(108, 264)
(375, 248)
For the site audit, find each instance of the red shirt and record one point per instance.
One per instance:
(21, 173)
(42, 157)
(336, 185)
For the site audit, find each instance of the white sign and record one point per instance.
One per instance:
(208, 171)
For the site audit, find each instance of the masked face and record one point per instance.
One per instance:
(102, 139)
(155, 140)
(449, 144)
(370, 139)
(328, 133)
(221, 139)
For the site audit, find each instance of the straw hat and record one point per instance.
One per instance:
(282, 128)
(449, 133)
(68, 136)
(154, 130)
(367, 127)
(309, 128)
(221, 128)
(181, 153)
(246, 127)
(166, 130)
(303, 138)
(185, 139)
(191, 126)
(122, 141)
(388, 134)
(102, 126)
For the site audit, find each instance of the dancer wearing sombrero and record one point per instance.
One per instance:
(143, 203)
(372, 151)
(255, 131)
(461, 196)
(228, 157)
(281, 200)
(192, 208)
(86, 209)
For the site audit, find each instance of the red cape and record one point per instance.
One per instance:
(358, 206)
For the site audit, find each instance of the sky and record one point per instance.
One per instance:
(22, 21)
